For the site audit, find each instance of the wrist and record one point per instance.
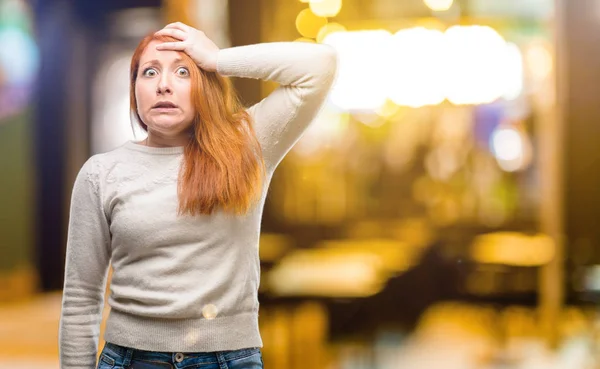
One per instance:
(215, 61)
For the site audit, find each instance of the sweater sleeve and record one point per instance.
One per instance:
(305, 73)
(87, 260)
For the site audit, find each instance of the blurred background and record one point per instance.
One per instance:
(443, 210)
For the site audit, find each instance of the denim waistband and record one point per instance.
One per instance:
(172, 357)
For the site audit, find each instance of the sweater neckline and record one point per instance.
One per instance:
(132, 145)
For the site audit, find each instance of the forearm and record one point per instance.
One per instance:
(305, 73)
(86, 269)
(79, 329)
(287, 63)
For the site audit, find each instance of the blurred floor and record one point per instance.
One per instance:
(457, 333)
(29, 333)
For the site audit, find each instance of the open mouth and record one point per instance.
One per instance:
(164, 105)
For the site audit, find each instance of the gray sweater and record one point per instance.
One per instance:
(181, 284)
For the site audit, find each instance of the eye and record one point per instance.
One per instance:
(182, 72)
(150, 72)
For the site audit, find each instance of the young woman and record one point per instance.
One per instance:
(178, 214)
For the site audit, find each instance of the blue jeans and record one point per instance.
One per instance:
(119, 357)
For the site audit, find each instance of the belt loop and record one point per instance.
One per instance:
(128, 357)
(221, 360)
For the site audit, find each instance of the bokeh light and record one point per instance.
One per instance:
(511, 248)
(514, 72)
(308, 24)
(19, 57)
(439, 5)
(418, 67)
(511, 147)
(415, 67)
(326, 8)
(539, 60)
(328, 29)
(362, 73)
(476, 64)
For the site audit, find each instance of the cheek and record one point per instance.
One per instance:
(185, 93)
(142, 96)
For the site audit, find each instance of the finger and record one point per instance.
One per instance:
(173, 32)
(176, 46)
(178, 25)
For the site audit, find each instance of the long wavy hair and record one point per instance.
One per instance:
(223, 166)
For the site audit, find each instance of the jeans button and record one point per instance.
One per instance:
(179, 357)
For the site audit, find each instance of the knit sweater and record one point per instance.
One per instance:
(180, 283)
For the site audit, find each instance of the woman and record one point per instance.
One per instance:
(178, 214)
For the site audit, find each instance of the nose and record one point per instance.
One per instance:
(164, 85)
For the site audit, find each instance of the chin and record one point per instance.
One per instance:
(169, 125)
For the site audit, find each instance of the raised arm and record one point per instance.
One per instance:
(305, 73)
(87, 260)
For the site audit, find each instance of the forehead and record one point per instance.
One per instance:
(163, 56)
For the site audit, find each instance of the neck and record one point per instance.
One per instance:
(154, 140)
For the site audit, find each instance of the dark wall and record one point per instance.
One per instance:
(244, 21)
(579, 96)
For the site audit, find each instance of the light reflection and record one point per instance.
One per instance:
(511, 147)
(370, 119)
(507, 144)
(416, 67)
(308, 24)
(511, 248)
(514, 75)
(19, 57)
(539, 60)
(328, 29)
(362, 74)
(312, 273)
(326, 8)
(388, 109)
(438, 5)
(476, 65)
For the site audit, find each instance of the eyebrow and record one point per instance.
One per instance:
(156, 62)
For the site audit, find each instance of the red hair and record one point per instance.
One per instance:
(222, 165)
